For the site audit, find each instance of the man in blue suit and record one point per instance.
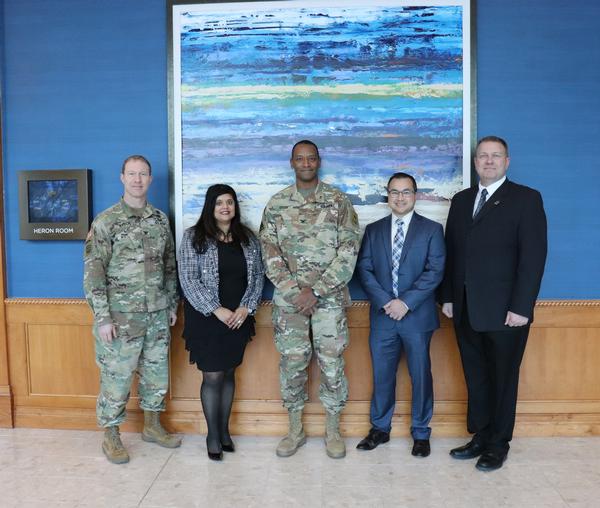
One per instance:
(400, 265)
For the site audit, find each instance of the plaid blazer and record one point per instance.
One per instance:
(199, 274)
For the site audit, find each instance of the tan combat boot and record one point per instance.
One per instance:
(154, 432)
(336, 449)
(295, 437)
(113, 447)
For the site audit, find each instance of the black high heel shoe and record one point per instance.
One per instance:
(229, 447)
(214, 455)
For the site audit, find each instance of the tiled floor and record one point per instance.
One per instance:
(48, 468)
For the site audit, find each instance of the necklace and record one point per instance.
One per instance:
(225, 237)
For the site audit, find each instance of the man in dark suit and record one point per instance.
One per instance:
(400, 265)
(496, 244)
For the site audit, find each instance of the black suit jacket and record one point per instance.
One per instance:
(497, 258)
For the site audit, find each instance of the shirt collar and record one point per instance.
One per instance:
(493, 187)
(406, 218)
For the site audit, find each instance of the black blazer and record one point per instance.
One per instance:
(496, 259)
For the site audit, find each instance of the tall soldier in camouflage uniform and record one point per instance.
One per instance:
(310, 237)
(130, 282)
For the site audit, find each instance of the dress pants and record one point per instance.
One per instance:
(386, 350)
(491, 362)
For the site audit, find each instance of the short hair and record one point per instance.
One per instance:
(403, 175)
(136, 158)
(495, 139)
(306, 142)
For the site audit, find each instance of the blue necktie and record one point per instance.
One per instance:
(397, 253)
(484, 194)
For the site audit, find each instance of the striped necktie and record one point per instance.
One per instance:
(484, 194)
(397, 253)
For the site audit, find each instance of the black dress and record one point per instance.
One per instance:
(214, 347)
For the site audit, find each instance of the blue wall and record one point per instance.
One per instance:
(85, 85)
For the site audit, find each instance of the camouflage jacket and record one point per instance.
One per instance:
(129, 262)
(310, 242)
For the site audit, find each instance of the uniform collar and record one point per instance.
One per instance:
(136, 212)
(318, 194)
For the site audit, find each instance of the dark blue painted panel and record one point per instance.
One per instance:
(538, 75)
(85, 85)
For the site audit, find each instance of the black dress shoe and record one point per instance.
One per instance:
(229, 447)
(421, 448)
(468, 451)
(490, 461)
(373, 440)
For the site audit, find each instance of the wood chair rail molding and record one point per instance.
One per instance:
(53, 379)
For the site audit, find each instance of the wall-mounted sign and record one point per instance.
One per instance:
(55, 204)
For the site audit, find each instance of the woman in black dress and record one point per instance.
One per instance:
(221, 274)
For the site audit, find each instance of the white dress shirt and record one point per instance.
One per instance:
(490, 189)
(406, 220)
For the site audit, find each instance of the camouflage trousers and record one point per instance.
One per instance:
(329, 340)
(142, 345)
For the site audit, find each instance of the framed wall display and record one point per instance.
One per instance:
(54, 204)
(380, 86)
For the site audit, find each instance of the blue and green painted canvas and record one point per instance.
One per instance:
(379, 88)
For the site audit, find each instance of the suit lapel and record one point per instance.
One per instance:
(495, 200)
(385, 237)
(470, 204)
(411, 234)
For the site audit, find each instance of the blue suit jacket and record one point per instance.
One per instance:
(421, 271)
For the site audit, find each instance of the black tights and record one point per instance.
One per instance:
(216, 394)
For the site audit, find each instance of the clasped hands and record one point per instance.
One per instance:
(306, 302)
(232, 319)
(512, 319)
(395, 309)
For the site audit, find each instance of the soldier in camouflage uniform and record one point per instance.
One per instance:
(130, 282)
(310, 237)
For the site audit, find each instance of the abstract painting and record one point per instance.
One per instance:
(379, 86)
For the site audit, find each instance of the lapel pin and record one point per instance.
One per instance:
(496, 202)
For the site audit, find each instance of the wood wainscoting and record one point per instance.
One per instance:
(52, 377)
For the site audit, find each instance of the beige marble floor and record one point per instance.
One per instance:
(52, 468)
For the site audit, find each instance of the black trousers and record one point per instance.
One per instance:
(491, 363)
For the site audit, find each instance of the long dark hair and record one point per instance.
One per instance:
(206, 228)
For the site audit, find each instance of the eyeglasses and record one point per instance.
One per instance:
(406, 193)
(496, 156)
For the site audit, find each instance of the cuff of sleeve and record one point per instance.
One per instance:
(211, 309)
(101, 321)
(289, 296)
(319, 290)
